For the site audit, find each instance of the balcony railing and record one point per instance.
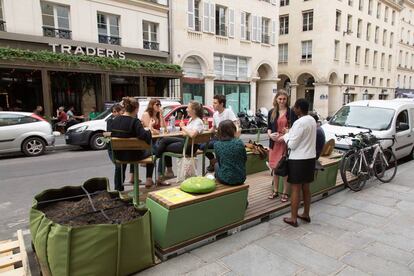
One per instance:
(114, 40)
(59, 33)
(151, 45)
(265, 39)
(2, 25)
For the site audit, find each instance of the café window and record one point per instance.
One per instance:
(150, 36)
(108, 29)
(56, 21)
(237, 95)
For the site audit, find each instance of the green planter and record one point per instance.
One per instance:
(101, 249)
(254, 164)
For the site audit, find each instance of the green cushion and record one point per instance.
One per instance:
(198, 185)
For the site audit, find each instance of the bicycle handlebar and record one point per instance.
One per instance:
(352, 135)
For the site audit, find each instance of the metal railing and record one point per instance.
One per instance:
(109, 39)
(151, 45)
(59, 33)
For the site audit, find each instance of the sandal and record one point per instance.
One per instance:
(273, 195)
(307, 219)
(149, 183)
(290, 222)
(284, 198)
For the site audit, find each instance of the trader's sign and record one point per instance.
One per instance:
(88, 51)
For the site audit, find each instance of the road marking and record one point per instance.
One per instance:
(5, 205)
(13, 224)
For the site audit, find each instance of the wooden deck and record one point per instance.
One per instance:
(259, 209)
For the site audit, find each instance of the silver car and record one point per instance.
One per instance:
(25, 132)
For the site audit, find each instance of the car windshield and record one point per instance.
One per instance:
(166, 110)
(103, 114)
(375, 118)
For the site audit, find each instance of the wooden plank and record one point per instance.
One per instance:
(10, 260)
(23, 253)
(6, 253)
(15, 272)
(8, 246)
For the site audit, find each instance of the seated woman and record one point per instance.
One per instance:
(176, 144)
(126, 126)
(153, 112)
(231, 155)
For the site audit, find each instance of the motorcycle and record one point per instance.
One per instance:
(261, 119)
(247, 121)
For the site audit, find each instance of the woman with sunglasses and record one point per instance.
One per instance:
(153, 112)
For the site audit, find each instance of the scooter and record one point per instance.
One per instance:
(247, 122)
(261, 119)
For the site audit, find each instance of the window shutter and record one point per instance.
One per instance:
(190, 14)
(259, 29)
(254, 29)
(273, 42)
(212, 18)
(243, 26)
(231, 22)
(206, 17)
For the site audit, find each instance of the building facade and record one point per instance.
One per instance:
(117, 29)
(332, 52)
(226, 47)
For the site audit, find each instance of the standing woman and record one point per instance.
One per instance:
(280, 118)
(153, 112)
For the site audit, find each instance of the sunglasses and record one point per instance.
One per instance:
(158, 104)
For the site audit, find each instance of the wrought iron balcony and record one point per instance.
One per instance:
(2, 25)
(114, 40)
(151, 45)
(59, 33)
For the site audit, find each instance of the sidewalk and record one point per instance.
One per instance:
(369, 232)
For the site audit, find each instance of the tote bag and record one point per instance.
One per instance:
(186, 166)
(282, 168)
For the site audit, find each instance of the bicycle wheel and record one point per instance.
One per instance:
(354, 173)
(385, 166)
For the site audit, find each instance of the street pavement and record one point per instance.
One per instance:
(370, 232)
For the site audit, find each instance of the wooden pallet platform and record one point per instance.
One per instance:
(13, 257)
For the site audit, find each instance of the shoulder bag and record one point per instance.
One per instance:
(282, 168)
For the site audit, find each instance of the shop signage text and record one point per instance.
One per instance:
(88, 51)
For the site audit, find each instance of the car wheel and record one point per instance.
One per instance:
(96, 142)
(33, 146)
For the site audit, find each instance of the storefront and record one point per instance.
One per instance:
(83, 75)
(237, 94)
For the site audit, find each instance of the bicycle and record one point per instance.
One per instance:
(365, 159)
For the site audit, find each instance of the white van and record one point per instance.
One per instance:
(386, 118)
(88, 134)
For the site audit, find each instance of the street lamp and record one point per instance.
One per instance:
(346, 96)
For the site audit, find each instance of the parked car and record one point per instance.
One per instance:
(25, 132)
(89, 134)
(175, 110)
(386, 118)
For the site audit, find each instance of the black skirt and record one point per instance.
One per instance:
(301, 171)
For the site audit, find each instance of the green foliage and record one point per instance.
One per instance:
(103, 62)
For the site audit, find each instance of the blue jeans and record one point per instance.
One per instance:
(209, 145)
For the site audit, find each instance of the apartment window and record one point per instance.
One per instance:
(381, 83)
(370, 7)
(384, 38)
(356, 79)
(375, 59)
(368, 31)
(346, 78)
(359, 28)
(55, 20)
(349, 24)
(149, 35)
(361, 5)
(230, 67)
(307, 50)
(2, 22)
(400, 58)
(108, 29)
(221, 27)
(265, 30)
(336, 50)
(307, 20)
(389, 62)
(408, 36)
(193, 15)
(338, 21)
(245, 26)
(347, 52)
(209, 17)
(386, 14)
(373, 81)
(406, 60)
(382, 60)
(391, 39)
(378, 10)
(283, 24)
(357, 54)
(283, 53)
(376, 34)
(388, 82)
(350, 3)
(393, 18)
(284, 3)
(365, 80)
(366, 57)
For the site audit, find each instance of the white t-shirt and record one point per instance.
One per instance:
(301, 138)
(196, 124)
(227, 114)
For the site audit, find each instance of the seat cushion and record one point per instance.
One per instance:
(198, 185)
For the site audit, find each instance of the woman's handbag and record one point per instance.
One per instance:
(282, 168)
(186, 166)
